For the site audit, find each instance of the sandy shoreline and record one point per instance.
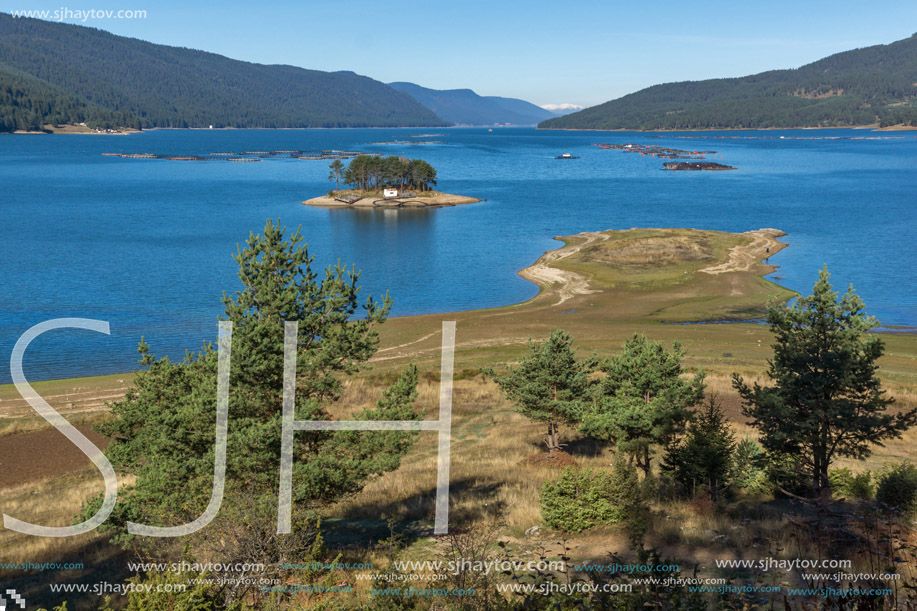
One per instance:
(565, 284)
(76, 130)
(433, 200)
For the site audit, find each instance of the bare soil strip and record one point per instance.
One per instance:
(29, 457)
(742, 258)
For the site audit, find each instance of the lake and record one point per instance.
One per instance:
(147, 244)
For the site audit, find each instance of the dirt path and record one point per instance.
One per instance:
(763, 244)
(562, 283)
(416, 341)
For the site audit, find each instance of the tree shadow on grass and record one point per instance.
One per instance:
(470, 500)
(102, 562)
(585, 447)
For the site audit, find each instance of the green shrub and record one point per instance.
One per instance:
(172, 591)
(758, 484)
(852, 485)
(898, 488)
(748, 468)
(703, 458)
(785, 473)
(580, 499)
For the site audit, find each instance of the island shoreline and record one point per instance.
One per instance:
(433, 199)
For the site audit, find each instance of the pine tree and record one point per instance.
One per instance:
(703, 459)
(827, 400)
(549, 385)
(644, 400)
(336, 172)
(163, 430)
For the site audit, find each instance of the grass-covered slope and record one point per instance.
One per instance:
(51, 72)
(861, 87)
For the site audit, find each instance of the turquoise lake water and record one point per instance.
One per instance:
(147, 244)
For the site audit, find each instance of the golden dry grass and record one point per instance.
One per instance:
(51, 502)
(490, 481)
(490, 441)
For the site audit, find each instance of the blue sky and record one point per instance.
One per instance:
(579, 52)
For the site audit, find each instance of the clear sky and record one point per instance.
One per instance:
(576, 52)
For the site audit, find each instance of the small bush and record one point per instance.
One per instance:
(580, 499)
(748, 468)
(898, 488)
(785, 473)
(702, 503)
(852, 485)
(758, 484)
(476, 544)
(172, 591)
(703, 459)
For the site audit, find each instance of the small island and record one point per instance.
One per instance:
(695, 165)
(385, 182)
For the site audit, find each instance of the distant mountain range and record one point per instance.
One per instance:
(52, 73)
(465, 107)
(861, 87)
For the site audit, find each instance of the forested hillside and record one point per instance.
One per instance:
(27, 103)
(861, 87)
(60, 73)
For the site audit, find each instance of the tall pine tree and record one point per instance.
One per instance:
(643, 401)
(163, 430)
(703, 459)
(549, 385)
(827, 400)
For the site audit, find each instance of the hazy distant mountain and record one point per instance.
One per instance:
(61, 73)
(562, 109)
(465, 107)
(859, 87)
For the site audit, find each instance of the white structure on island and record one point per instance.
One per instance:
(389, 193)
